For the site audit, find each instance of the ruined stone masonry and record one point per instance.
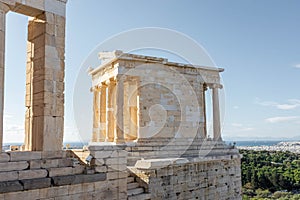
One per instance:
(156, 110)
(149, 137)
(44, 101)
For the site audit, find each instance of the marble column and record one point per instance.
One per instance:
(204, 110)
(216, 111)
(119, 124)
(110, 121)
(3, 10)
(102, 125)
(96, 116)
(133, 118)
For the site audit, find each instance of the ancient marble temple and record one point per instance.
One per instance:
(156, 111)
(148, 99)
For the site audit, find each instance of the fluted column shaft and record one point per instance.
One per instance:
(119, 125)
(110, 121)
(102, 124)
(216, 112)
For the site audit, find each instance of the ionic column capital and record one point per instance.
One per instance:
(97, 88)
(215, 86)
(103, 85)
(93, 89)
(110, 81)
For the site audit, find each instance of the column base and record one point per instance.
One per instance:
(119, 141)
(109, 140)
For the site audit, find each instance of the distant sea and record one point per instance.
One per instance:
(255, 142)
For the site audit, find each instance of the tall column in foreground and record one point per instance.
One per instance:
(45, 83)
(216, 111)
(3, 10)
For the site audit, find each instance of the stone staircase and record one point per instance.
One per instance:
(134, 190)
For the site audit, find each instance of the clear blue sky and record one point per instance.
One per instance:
(257, 42)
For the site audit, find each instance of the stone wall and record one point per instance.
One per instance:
(210, 178)
(61, 175)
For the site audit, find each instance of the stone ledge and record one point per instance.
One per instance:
(32, 174)
(9, 176)
(159, 163)
(77, 179)
(10, 186)
(30, 184)
(13, 166)
(25, 155)
(105, 146)
(164, 162)
(4, 157)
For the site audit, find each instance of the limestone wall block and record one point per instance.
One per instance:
(13, 166)
(31, 174)
(53, 192)
(48, 17)
(116, 175)
(49, 40)
(83, 195)
(49, 74)
(33, 194)
(4, 157)
(53, 163)
(54, 154)
(25, 155)
(60, 171)
(39, 53)
(38, 41)
(119, 153)
(53, 132)
(60, 43)
(79, 169)
(60, 31)
(8, 176)
(56, 7)
(31, 184)
(75, 189)
(35, 29)
(116, 161)
(97, 162)
(35, 164)
(101, 169)
(50, 28)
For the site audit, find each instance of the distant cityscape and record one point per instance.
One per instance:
(257, 145)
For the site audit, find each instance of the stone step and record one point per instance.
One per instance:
(130, 179)
(132, 160)
(135, 191)
(132, 185)
(144, 196)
